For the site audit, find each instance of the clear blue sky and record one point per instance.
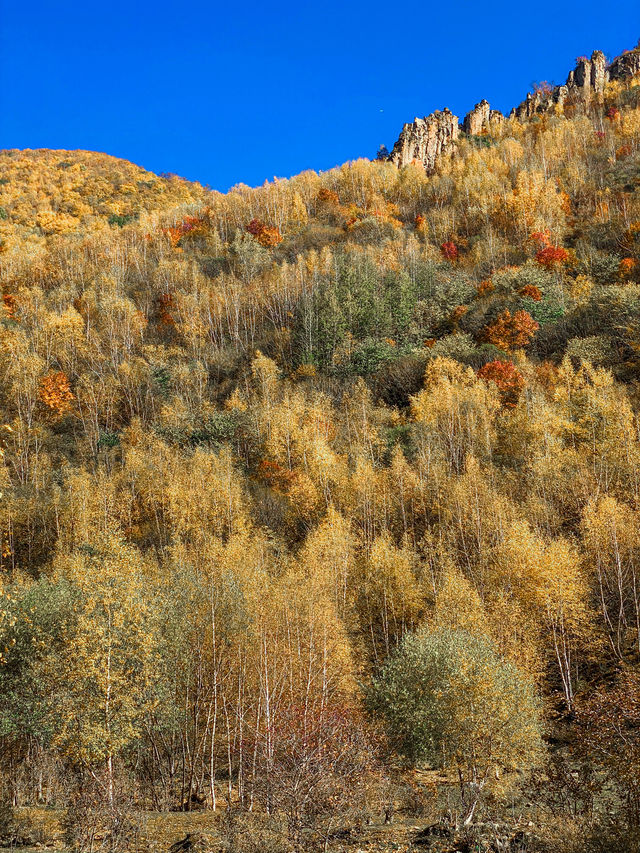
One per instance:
(228, 93)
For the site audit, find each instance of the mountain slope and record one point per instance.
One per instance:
(320, 500)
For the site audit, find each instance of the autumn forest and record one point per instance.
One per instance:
(320, 501)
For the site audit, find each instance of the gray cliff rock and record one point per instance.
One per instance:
(626, 65)
(426, 139)
(478, 119)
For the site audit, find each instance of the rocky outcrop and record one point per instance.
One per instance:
(626, 65)
(480, 119)
(584, 88)
(588, 79)
(426, 139)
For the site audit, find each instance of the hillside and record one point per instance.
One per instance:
(320, 501)
(57, 192)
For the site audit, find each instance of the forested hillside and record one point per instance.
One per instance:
(321, 501)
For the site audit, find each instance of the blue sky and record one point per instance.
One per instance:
(242, 92)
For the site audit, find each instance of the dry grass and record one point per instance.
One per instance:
(42, 828)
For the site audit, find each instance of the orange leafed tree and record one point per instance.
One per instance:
(548, 376)
(508, 379)
(279, 478)
(540, 239)
(166, 304)
(530, 291)
(56, 393)
(266, 235)
(512, 331)
(9, 303)
(174, 233)
(485, 287)
(326, 196)
(627, 267)
(457, 314)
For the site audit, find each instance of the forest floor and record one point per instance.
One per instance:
(414, 827)
(42, 829)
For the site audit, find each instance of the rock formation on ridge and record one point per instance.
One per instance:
(584, 87)
(626, 65)
(426, 139)
(480, 118)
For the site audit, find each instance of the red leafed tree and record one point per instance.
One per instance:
(552, 256)
(193, 223)
(507, 378)
(509, 332)
(449, 250)
(543, 88)
(266, 235)
(255, 227)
